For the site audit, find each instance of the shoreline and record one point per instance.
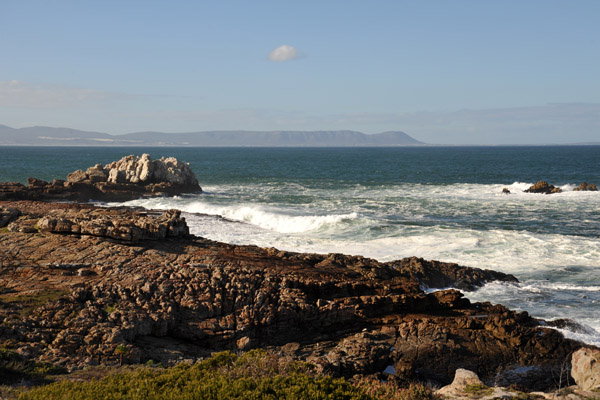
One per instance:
(352, 303)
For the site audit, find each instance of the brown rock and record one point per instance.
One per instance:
(543, 187)
(435, 274)
(585, 187)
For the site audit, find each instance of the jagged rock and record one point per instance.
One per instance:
(435, 274)
(129, 178)
(585, 368)
(34, 182)
(77, 176)
(505, 191)
(586, 187)
(543, 187)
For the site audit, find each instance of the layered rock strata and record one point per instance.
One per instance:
(129, 178)
(73, 297)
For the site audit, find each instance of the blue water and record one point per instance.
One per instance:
(441, 203)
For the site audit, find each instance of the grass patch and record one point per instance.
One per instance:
(27, 303)
(253, 375)
(4, 230)
(387, 390)
(110, 309)
(478, 390)
(15, 368)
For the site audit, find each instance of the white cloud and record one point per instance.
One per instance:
(283, 53)
(18, 94)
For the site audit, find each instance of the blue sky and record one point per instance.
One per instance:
(481, 72)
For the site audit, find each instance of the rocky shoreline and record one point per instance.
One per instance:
(78, 282)
(178, 297)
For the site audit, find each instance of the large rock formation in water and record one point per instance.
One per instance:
(72, 290)
(129, 178)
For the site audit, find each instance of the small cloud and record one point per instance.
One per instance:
(283, 53)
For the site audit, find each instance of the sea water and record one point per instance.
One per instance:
(442, 203)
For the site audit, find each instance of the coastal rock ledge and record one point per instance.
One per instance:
(77, 283)
(129, 178)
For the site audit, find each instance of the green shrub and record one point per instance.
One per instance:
(253, 375)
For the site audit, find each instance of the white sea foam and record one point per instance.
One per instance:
(259, 215)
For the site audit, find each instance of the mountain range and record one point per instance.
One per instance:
(47, 136)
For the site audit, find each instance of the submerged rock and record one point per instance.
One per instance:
(543, 187)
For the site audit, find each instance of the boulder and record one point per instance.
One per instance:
(543, 187)
(586, 187)
(465, 381)
(505, 191)
(585, 368)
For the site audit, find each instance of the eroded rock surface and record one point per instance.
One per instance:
(129, 178)
(71, 298)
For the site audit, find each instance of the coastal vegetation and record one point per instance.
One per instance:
(256, 374)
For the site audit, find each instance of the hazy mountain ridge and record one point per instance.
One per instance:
(46, 136)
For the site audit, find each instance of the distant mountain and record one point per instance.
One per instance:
(45, 136)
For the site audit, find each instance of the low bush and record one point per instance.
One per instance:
(253, 375)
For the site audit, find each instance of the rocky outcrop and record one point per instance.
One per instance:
(585, 368)
(72, 291)
(586, 187)
(129, 178)
(543, 187)
(435, 274)
(114, 224)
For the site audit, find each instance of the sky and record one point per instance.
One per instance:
(447, 72)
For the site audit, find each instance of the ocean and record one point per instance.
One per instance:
(442, 203)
